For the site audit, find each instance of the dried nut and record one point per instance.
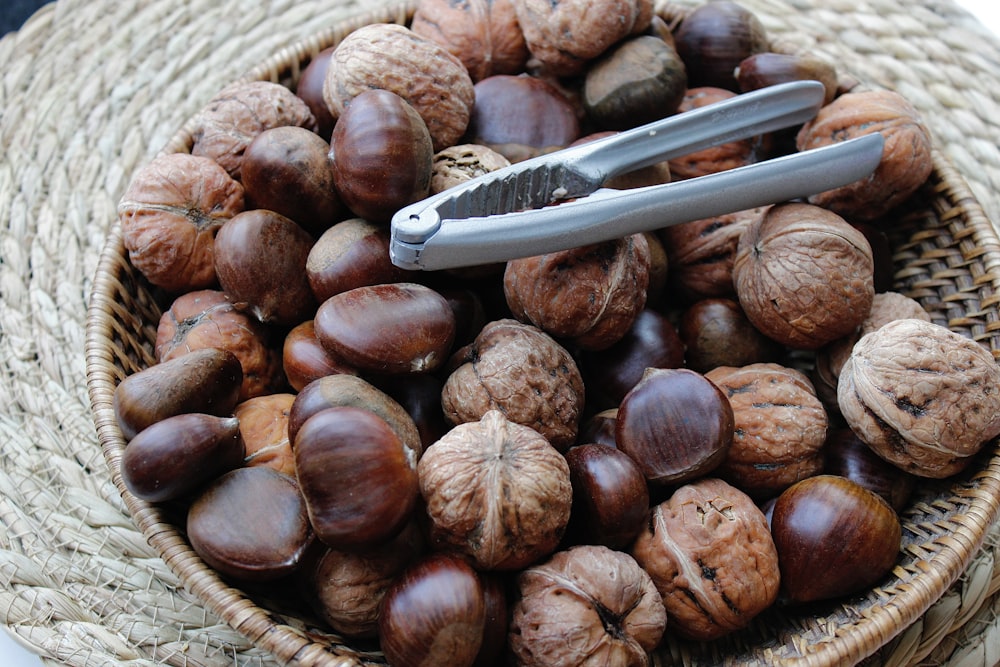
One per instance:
(388, 329)
(310, 89)
(587, 605)
(589, 296)
(352, 253)
(207, 319)
(833, 537)
(305, 359)
(564, 36)
(780, 428)
(610, 496)
(723, 157)
(522, 117)
(676, 424)
(206, 381)
(921, 396)
(358, 479)
(420, 396)
(803, 275)
(716, 332)
(421, 71)
(714, 38)
(250, 524)
(260, 259)
(638, 81)
(906, 159)
(599, 428)
(382, 155)
(497, 492)
(179, 455)
(264, 429)
(483, 34)
(521, 371)
(761, 70)
(288, 170)
(170, 214)
(848, 456)
(709, 551)
(457, 164)
(234, 117)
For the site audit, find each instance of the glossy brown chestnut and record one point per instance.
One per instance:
(714, 38)
(599, 428)
(610, 497)
(848, 456)
(310, 89)
(352, 253)
(305, 359)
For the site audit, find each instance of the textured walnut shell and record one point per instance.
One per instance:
(521, 371)
(710, 554)
(463, 162)
(239, 113)
(483, 34)
(264, 428)
(921, 396)
(563, 36)
(589, 295)
(421, 71)
(170, 214)
(497, 492)
(906, 158)
(781, 428)
(723, 157)
(803, 275)
(587, 605)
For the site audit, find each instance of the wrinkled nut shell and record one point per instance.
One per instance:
(922, 396)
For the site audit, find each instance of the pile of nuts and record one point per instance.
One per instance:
(563, 459)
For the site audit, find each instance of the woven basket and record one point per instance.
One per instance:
(946, 254)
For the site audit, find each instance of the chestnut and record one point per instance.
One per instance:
(848, 456)
(610, 497)
(310, 90)
(304, 358)
(716, 332)
(714, 38)
(352, 253)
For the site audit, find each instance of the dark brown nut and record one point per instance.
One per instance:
(564, 36)
(251, 525)
(264, 430)
(599, 428)
(588, 296)
(483, 34)
(238, 113)
(675, 424)
(310, 89)
(388, 329)
(700, 255)
(587, 605)
(260, 259)
(470, 312)
(610, 496)
(206, 381)
(497, 492)
(288, 170)
(420, 396)
(651, 342)
(848, 456)
(207, 319)
(803, 275)
(304, 358)
(780, 428)
(421, 71)
(710, 554)
(906, 159)
(351, 391)
(725, 156)
(764, 69)
(833, 538)
(358, 479)
(640, 80)
(352, 253)
(921, 396)
(524, 373)
(382, 155)
(178, 455)
(659, 267)
(716, 332)
(460, 163)
(170, 213)
(714, 38)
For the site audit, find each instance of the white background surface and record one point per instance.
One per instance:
(13, 654)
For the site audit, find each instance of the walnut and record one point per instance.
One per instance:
(170, 214)
(587, 605)
(392, 57)
(921, 396)
(497, 492)
(483, 34)
(239, 113)
(710, 554)
(206, 318)
(803, 275)
(906, 159)
(463, 162)
(564, 36)
(723, 157)
(589, 295)
(780, 428)
(264, 429)
(524, 373)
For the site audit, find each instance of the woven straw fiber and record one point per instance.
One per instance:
(91, 89)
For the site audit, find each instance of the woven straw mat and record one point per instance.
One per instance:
(91, 89)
